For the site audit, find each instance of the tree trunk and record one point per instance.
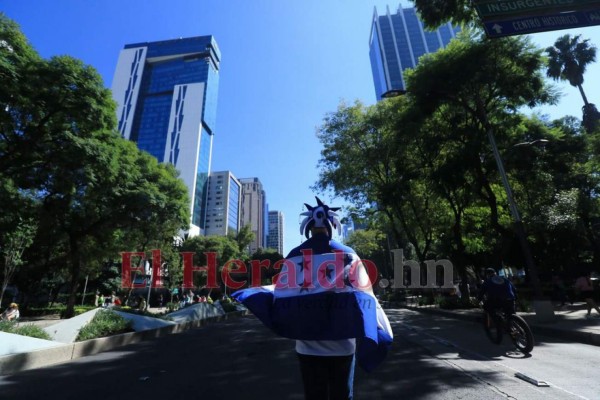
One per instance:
(585, 100)
(8, 273)
(74, 284)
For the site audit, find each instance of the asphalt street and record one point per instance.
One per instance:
(432, 358)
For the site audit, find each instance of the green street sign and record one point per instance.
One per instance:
(489, 8)
(520, 25)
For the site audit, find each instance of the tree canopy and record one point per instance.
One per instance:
(422, 165)
(63, 164)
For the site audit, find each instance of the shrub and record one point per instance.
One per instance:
(105, 323)
(228, 307)
(78, 310)
(396, 295)
(30, 330)
(57, 309)
(426, 300)
(454, 303)
(7, 326)
(523, 305)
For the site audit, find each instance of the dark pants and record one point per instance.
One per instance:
(507, 305)
(327, 378)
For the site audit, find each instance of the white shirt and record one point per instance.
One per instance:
(344, 347)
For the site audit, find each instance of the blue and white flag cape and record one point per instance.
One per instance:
(324, 297)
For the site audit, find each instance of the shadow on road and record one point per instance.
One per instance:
(232, 359)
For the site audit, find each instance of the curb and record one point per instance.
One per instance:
(590, 338)
(14, 363)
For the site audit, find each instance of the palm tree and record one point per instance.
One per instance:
(567, 60)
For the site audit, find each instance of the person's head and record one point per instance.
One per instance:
(13, 305)
(490, 272)
(320, 219)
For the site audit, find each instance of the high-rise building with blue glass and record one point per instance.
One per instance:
(396, 43)
(166, 93)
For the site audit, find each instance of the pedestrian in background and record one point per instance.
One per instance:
(142, 305)
(11, 313)
(559, 290)
(583, 286)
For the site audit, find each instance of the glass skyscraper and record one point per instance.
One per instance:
(275, 235)
(397, 41)
(166, 93)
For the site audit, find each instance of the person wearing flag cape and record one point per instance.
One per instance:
(323, 299)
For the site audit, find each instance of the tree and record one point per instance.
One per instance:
(11, 247)
(370, 244)
(90, 189)
(368, 159)
(434, 13)
(268, 257)
(243, 238)
(225, 247)
(568, 60)
(506, 77)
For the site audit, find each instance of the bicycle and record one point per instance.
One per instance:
(498, 323)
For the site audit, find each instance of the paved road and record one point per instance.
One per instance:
(571, 369)
(240, 359)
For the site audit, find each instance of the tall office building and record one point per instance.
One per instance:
(223, 204)
(166, 93)
(397, 41)
(275, 235)
(254, 211)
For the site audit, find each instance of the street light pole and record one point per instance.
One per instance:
(520, 231)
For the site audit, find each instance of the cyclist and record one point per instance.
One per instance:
(499, 292)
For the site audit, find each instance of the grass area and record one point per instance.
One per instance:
(105, 323)
(30, 330)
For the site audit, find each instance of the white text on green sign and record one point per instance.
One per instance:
(507, 7)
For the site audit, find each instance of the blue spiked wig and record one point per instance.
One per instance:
(320, 216)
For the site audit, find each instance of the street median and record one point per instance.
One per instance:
(14, 363)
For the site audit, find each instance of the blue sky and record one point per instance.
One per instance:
(285, 65)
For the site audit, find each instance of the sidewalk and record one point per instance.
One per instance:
(569, 324)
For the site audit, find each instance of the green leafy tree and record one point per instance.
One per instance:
(90, 188)
(370, 244)
(12, 245)
(434, 13)
(264, 256)
(568, 60)
(243, 238)
(226, 249)
(368, 163)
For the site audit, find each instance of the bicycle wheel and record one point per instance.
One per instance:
(493, 327)
(520, 334)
